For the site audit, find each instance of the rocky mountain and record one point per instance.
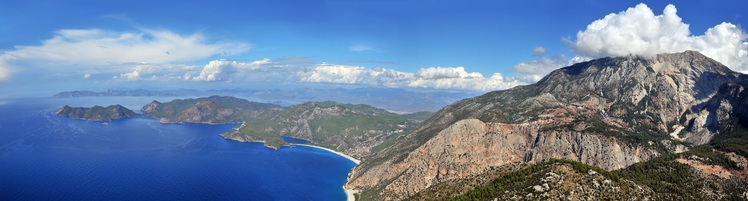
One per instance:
(96, 113)
(210, 110)
(356, 130)
(693, 175)
(609, 113)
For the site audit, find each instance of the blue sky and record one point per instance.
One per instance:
(417, 44)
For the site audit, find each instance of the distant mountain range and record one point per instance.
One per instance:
(393, 99)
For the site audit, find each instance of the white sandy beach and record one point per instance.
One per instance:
(333, 151)
(349, 193)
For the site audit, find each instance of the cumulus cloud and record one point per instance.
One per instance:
(88, 48)
(148, 71)
(441, 73)
(433, 77)
(639, 31)
(222, 70)
(301, 70)
(326, 73)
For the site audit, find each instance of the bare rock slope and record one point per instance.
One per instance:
(609, 113)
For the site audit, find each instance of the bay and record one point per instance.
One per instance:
(46, 157)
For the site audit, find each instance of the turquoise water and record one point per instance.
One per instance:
(45, 157)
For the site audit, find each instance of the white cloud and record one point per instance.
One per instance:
(3, 72)
(538, 51)
(147, 71)
(222, 70)
(433, 77)
(86, 76)
(440, 73)
(326, 73)
(361, 48)
(91, 48)
(535, 70)
(299, 70)
(639, 31)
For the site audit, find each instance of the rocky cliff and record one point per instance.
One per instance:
(609, 112)
(96, 113)
(210, 110)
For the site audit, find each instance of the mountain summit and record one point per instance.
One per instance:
(608, 112)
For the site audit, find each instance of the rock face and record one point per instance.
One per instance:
(351, 129)
(96, 113)
(210, 110)
(609, 112)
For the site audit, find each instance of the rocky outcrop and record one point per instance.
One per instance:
(609, 112)
(96, 113)
(471, 147)
(210, 110)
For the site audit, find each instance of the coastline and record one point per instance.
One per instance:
(349, 193)
(333, 151)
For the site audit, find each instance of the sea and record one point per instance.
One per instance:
(46, 157)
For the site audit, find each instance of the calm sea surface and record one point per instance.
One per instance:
(46, 157)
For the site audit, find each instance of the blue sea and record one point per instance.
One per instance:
(46, 157)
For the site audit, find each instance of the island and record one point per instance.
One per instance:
(96, 113)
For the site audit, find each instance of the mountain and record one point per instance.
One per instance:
(699, 174)
(392, 99)
(609, 113)
(351, 129)
(137, 92)
(210, 110)
(96, 113)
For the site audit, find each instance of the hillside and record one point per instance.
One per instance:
(700, 174)
(351, 129)
(96, 113)
(210, 110)
(609, 113)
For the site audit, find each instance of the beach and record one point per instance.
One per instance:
(349, 193)
(333, 151)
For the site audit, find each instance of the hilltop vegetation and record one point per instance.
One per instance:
(210, 110)
(350, 128)
(96, 113)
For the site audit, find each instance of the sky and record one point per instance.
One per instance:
(52, 46)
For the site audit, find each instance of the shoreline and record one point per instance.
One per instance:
(349, 193)
(330, 150)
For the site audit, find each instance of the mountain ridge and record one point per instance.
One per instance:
(354, 129)
(608, 112)
(96, 113)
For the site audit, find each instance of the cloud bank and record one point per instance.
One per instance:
(432, 77)
(284, 70)
(87, 48)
